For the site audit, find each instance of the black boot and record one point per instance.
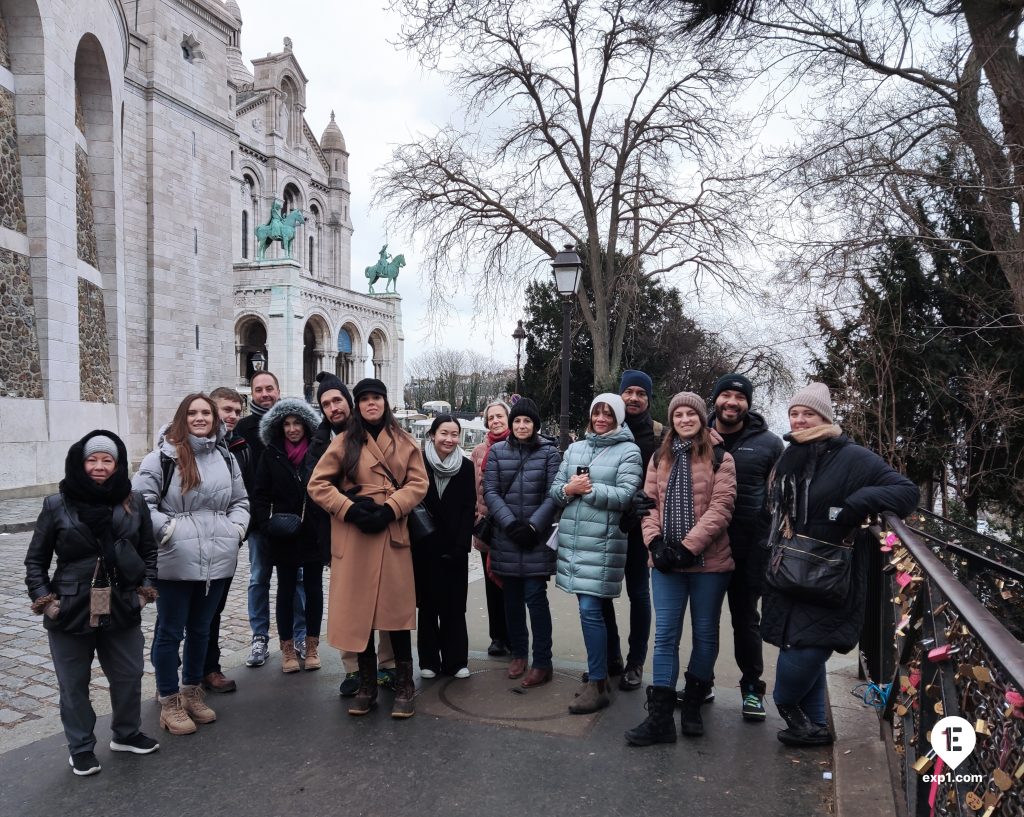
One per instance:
(660, 727)
(802, 731)
(366, 696)
(405, 690)
(693, 696)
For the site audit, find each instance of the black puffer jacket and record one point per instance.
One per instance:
(280, 487)
(60, 532)
(851, 477)
(755, 453)
(521, 497)
(321, 519)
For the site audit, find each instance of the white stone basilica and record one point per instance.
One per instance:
(138, 154)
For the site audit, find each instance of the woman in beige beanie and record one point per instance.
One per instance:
(693, 484)
(823, 486)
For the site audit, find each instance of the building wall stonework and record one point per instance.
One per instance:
(20, 373)
(5, 57)
(86, 218)
(12, 198)
(97, 385)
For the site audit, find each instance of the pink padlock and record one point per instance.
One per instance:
(943, 653)
(903, 579)
(1015, 700)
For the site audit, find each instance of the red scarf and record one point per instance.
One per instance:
(296, 452)
(493, 438)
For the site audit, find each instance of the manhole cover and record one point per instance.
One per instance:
(489, 695)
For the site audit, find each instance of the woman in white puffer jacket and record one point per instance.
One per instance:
(200, 513)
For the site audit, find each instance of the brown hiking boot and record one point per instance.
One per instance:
(289, 660)
(192, 698)
(218, 682)
(312, 653)
(593, 698)
(173, 716)
(366, 695)
(405, 691)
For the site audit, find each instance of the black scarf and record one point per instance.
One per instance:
(93, 501)
(792, 476)
(678, 516)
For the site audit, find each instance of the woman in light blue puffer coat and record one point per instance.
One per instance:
(594, 485)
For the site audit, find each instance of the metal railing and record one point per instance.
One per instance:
(945, 652)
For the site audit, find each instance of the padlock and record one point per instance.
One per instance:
(981, 727)
(939, 654)
(924, 763)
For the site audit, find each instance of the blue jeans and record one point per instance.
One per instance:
(595, 636)
(800, 680)
(672, 591)
(520, 594)
(184, 611)
(260, 571)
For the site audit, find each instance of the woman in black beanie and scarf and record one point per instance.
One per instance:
(102, 535)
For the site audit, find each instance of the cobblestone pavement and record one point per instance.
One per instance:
(28, 686)
(18, 515)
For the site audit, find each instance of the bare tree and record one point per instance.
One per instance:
(896, 84)
(586, 122)
(465, 379)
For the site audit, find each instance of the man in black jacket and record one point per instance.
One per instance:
(636, 389)
(755, 450)
(337, 406)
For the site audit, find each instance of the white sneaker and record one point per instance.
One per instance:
(427, 673)
(463, 673)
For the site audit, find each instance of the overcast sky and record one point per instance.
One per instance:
(380, 98)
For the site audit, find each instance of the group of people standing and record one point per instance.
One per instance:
(701, 500)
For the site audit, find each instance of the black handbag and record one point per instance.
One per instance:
(285, 525)
(421, 524)
(484, 530)
(811, 570)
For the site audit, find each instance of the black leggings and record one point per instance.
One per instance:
(401, 643)
(312, 583)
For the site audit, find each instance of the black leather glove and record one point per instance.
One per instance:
(523, 535)
(662, 556)
(378, 519)
(685, 557)
(640, 506)
(849, 518)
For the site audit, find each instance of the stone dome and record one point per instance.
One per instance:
(232, 8)
(332, 138)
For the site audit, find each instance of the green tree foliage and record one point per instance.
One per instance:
(660, 339)
(926, 370)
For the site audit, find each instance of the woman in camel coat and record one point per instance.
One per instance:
(372, 585)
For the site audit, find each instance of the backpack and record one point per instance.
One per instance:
(168, 464)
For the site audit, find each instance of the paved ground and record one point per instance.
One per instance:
(479, 746)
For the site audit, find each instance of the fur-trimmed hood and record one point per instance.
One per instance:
(272, 423)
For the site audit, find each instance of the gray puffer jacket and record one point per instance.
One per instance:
(199, 533)
(591, 548)
(515, 494)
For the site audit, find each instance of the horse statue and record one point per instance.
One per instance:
(278, 228)
(388, 271)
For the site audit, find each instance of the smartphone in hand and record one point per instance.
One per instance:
(582, 469)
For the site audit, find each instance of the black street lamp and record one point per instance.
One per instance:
(519, 336)
(258, 361)
(568, 269)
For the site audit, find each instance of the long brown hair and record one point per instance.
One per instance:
(355, 437)
(177, 434)
(702, 444)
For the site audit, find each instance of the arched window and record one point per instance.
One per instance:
(311, 255)
(245, 234)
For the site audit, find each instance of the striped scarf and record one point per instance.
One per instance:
(678, 516)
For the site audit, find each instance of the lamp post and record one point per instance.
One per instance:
(258, 361)
(568, 269)
(519, 336)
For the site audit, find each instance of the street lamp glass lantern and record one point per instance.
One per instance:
(258, 362)
(568, 269)
(519, 335)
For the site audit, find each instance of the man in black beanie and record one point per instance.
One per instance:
(755, 450)
(636, 389)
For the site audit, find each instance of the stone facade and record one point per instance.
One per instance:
(12, 200)
(149, 152)
(5, 57)
(20, 374)
(93, 345)
(85, 218)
